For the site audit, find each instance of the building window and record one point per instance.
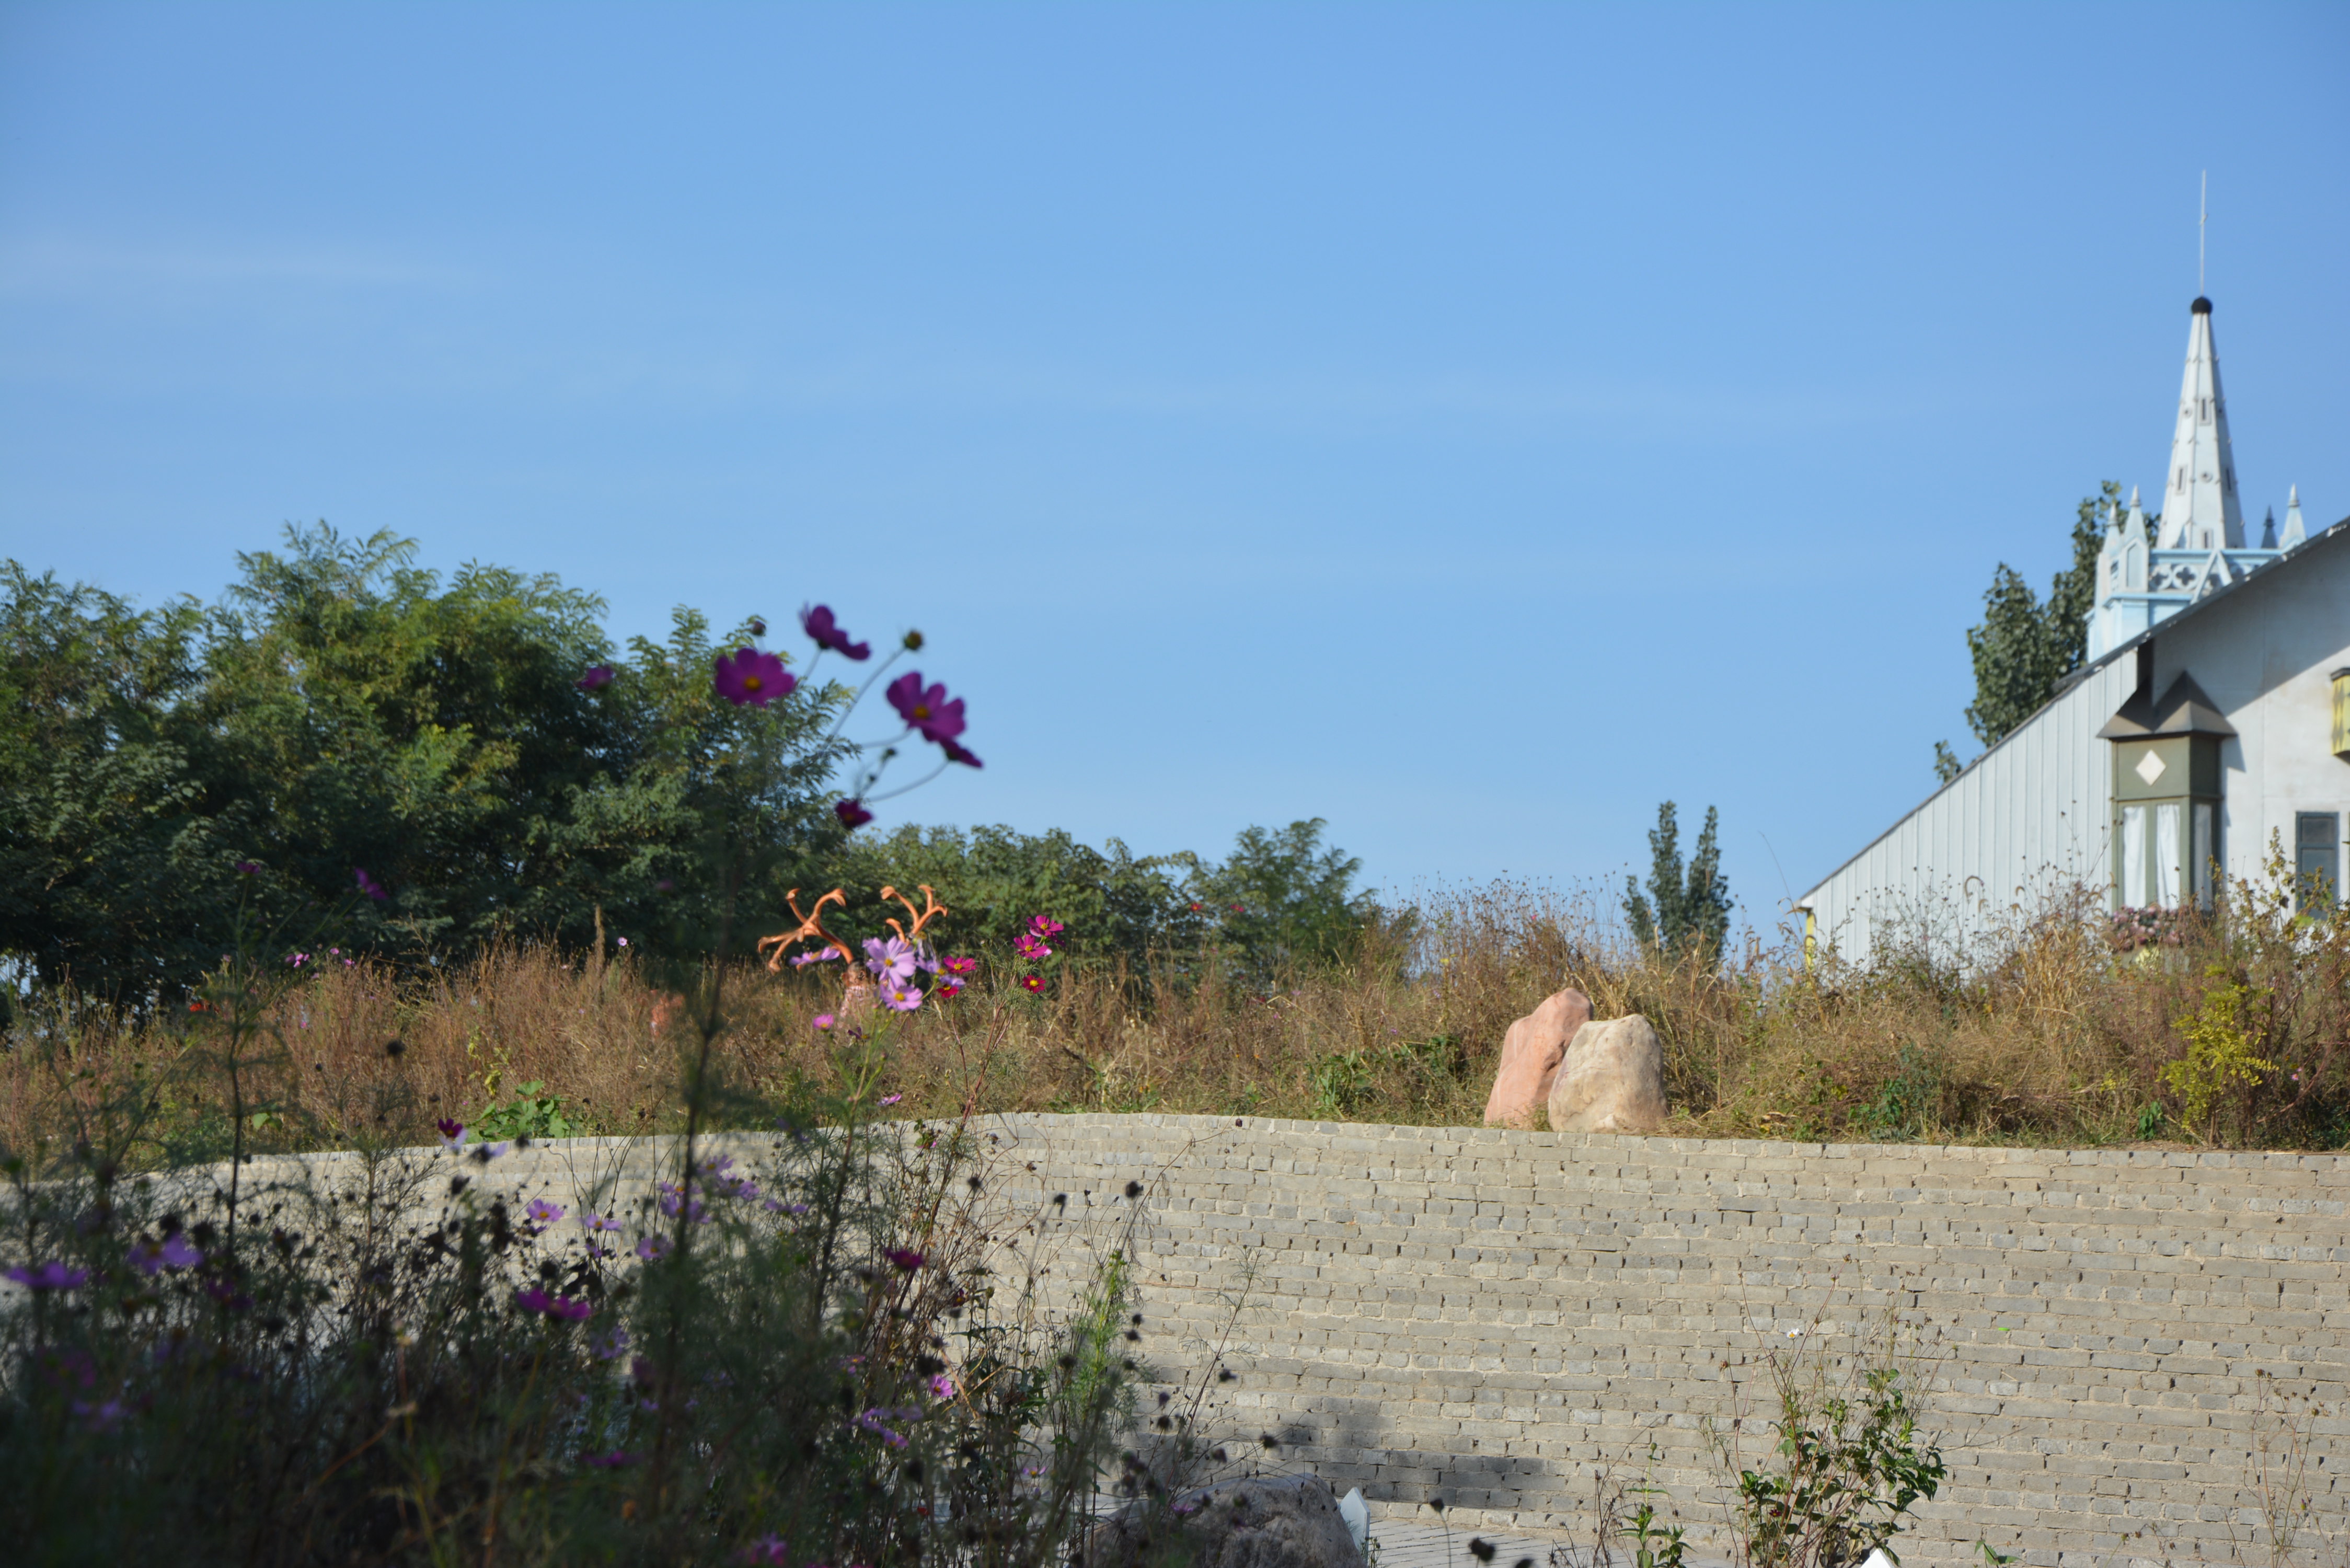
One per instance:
(2134, 856)
(2317, 859)
(2205, 852)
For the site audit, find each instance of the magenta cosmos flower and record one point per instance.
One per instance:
(825, 632)
(852, 815)
(368, 885)
(750, 676)
(1029, 948)
(926, 708)
(956, 753)
(595, 679)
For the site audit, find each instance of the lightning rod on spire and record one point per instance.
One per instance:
(2203, 223)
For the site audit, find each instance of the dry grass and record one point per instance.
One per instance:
(2054, 1039)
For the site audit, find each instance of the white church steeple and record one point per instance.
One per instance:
(2199, 507)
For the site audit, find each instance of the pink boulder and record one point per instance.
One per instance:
(1531, 1053)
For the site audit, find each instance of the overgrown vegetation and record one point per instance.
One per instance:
(2067, 1029)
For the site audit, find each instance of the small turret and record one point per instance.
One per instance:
(2268, 530)
(2293, 531)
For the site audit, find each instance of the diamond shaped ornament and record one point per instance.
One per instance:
(2149, 766)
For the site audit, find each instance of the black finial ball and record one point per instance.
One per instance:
(2202, 307)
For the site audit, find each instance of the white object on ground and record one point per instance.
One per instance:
(1357, 1515)
(1876, 1559)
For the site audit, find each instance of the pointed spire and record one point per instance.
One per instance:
(2293, 531)
(2268, 530)
(2137, 524)
(2199, 507)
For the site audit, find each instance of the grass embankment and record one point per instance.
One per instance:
(2231, 1034)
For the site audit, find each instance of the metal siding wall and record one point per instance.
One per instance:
(2028, 819)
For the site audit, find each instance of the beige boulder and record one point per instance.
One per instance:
(1613, 1079)
(1531, 1053)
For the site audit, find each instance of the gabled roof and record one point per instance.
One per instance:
(2183, 710)
(2326, 539)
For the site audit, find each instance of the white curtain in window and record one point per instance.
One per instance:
(2202, 852)
(2166, 855)
(2134, 856)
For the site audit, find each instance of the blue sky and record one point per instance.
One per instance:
(1471, 424)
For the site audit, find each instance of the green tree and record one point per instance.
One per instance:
(1684, 908)
(342, 710)
(1284, 899)
(2024, 648)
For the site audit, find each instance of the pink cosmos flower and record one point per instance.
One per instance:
(926, 708)
(960, 967)
(52, 1275)
(822, 1021)
(825, 632)
(942, 1386)
(891, 1099)
(751, 677)
(1029, 948)
(902, 996)
(1045, 927)
(596, 680)
(891, 958)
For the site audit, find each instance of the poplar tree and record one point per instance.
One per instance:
(1687, 907)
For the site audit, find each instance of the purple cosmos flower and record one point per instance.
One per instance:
(596, 680)
(960, 967)
(766, 1549)
(822, 1021)
(618, 1459)
(52, 1275)
(542, 1212)
(453, 1134)
(852, 815)
(891, 1099)
(1029, 948)
(248, 868)
(825, 632)
(753, 677)
(942, 1386)
(926, 708)
(891, 958)
(672, 1200)
(610, 1344)
(959, 754)
(873, 1421)
(902, 996)
(821, 955)
(599, 1221)
(368, 885)
(569, 1309)
(905, 1258)
(652, 1248)
(174, 1251)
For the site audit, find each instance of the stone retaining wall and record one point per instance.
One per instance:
(1485, 1316)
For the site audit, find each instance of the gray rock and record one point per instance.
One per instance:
(1613, 1079)
(1253, 1522)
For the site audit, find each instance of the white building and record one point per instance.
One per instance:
(2212, 717)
